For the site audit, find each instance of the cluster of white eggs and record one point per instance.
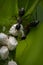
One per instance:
(7, 43)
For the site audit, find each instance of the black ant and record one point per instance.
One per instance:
(27, 27)
(18, 27)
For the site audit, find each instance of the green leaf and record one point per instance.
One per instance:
(33, 6)
(30, 50)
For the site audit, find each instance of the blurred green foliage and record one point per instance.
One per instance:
(29, 51)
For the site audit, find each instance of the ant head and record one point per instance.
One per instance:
(21, 12)
(17, 27)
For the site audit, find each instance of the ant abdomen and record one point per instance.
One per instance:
(34, 23)
(30, 25)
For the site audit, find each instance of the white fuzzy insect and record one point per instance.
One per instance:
(12, 43)
(12, 62)
(4, 52)
(3, 39)
(15, 32)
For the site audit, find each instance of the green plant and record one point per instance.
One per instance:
(29, 51)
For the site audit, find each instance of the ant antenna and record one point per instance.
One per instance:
(13, 18)
(16, 17)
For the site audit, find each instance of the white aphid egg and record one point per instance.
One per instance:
(4, 52)
(12, 43)
(3, 38)
(13, 31)
(12, 62)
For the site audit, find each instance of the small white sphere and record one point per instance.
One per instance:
(3, 39)
(12, 62)
(4, 52)
(12, 43)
